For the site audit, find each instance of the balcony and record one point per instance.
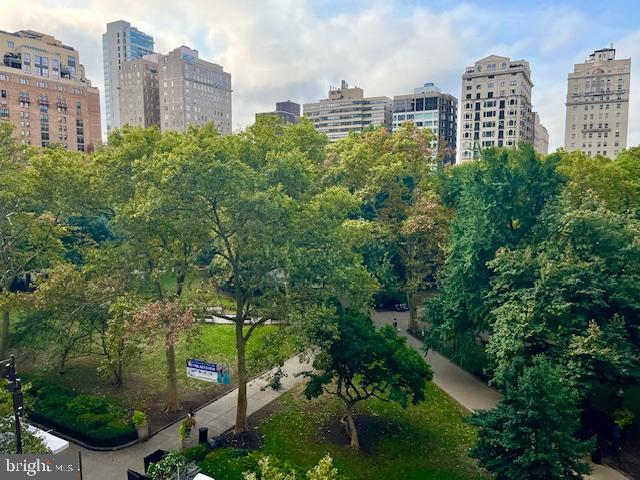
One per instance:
(24, 97)
(12, 60)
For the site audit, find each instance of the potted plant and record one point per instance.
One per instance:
(185, 432)
(141, 423)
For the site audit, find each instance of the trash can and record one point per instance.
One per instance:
(203, 434)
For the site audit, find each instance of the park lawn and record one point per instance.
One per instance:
(427, 441)
(145, 376)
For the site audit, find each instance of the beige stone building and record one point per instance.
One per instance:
(192, 92)
(495, 105)
(598, 104)
(139, 94)
(45, 94)
(347, 110)
(540, 135)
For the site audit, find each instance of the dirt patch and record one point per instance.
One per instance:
(252, 439)
(370, 429)
(192, 399)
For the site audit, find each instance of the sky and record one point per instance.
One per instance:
(295, 49)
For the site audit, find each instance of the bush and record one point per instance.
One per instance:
(94, 420)
(139, 418)
(167, 467)
(197, 453)
(229, 464)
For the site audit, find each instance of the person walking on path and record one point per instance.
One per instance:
(395, 324)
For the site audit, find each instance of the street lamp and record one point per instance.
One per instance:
(15, 387)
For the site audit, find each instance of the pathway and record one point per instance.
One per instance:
(467, 390)
(219, 416)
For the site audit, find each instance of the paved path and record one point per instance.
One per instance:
(467, 390)
(219, 416)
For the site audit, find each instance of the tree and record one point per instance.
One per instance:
(530, 434)
(165, 321)
(65, 312)
(276, 236)
(422, 241)
(116, 345)
(360, 362)
(38, 192)
(497, 201)
(393, 176)
(572, 295)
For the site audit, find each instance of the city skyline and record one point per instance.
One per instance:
(320, 45)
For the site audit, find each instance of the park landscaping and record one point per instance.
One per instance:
(145, 380)
(426, 441)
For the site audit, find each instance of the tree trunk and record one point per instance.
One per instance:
(351, 429)
(4, 333)
(180, 283)
(411, 301)
(172, 383)
(118, 379)
(241, 408)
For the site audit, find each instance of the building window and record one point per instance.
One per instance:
(42, 66)
(9, 44)
(4, 113)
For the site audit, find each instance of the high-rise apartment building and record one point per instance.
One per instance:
(44, 92)
(288, 111)
(496, 105)
(139, 95)
(540, 135)
(121, 42)
(192, 91)
(598, 104)
(347, 110)
(428, 107)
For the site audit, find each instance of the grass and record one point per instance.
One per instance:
(145, 376)
(427, 441)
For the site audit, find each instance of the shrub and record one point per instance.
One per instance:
(94, 420)
(229, 463)
(197, 453)
(166, 467)
(139, 418)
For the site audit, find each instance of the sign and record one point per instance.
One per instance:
(209, 372)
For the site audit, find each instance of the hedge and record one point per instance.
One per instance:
(95, 421)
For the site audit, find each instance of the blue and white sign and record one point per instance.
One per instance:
(209, 372)
(202, 370)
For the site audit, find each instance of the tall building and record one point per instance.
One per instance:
(121, 42)
(496, 105)
(598, 104)
(139, 95)
(192, 91)
(428, 107)
(540, 135)
(347, 110)
(288, 111)
(45, 94)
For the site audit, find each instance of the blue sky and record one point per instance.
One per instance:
(294, 49)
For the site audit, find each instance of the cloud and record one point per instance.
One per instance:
(294, 49)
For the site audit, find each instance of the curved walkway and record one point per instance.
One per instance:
(218, 416)
(466, 389)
